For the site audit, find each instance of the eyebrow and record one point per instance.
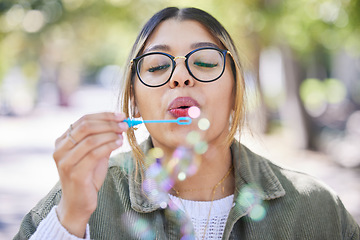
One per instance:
(164, 47)
(204, 44)
(158, 47)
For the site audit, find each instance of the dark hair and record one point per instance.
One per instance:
(219, 32)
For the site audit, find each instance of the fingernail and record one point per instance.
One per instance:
(120, 116)
(123, 125)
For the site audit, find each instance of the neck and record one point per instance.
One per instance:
(213, 180)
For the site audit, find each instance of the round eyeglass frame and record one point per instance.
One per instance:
(137, 59)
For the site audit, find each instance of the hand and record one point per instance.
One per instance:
(82, 163)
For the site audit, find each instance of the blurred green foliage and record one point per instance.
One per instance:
(90, 34)
(316, 94)
(91, 30)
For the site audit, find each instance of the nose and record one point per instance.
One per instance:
(181, 76)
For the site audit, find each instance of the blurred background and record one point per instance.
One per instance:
(60, 59)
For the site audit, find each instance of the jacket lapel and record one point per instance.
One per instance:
(255, 182)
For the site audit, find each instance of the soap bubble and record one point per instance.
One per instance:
(188, 237)
(153, 155)
(193, 137)
(204, 124)
(257, 213)
(137, 226)
(250, 198)
(156, 152)
(157, 183)
(194, 112)
(148, 185)
(183, 160)
(161, 174)
(163, 205)
(154, 170)
(182, 176)
(201, 147)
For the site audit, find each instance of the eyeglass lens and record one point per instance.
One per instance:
(205, 65)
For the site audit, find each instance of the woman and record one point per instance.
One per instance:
(183, 61)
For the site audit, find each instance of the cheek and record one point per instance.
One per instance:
(224, 95)
(216, 110)
(222, 102)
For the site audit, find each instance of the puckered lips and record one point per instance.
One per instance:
(179, 106)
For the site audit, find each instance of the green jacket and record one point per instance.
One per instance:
(270, 202)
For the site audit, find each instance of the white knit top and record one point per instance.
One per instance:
(198, 212)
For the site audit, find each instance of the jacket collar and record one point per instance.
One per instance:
(251, 172)
(255, 172)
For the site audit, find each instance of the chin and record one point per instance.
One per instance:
(179, 140)
(176, 139)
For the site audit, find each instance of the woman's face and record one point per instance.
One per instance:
(214, 99)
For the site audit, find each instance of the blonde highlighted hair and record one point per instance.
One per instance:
(219, 32)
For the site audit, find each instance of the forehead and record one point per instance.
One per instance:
(180, 34)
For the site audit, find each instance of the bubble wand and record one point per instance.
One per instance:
(180, 121)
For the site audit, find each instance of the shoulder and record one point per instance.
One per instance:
(299, 190)
(32, 220)
(305, 203)
(297, 183)
(302, 181)
(293, 181)
(314, 203)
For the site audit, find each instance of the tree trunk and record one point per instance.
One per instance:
(293, 112)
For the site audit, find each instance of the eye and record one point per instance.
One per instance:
(158, 68)
(204, 64)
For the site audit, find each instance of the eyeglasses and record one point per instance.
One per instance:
(155, 69)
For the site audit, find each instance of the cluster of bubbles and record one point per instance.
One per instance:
(161, 174)
(251, 199)
(157, 181)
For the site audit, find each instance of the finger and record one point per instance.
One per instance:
(91, 170)
(87, 167)
(88, 128)
(105, 116)
(86, 146)
(93, 127)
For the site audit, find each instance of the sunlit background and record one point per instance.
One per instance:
(60, 59)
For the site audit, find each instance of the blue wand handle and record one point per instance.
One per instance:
(180, 121)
